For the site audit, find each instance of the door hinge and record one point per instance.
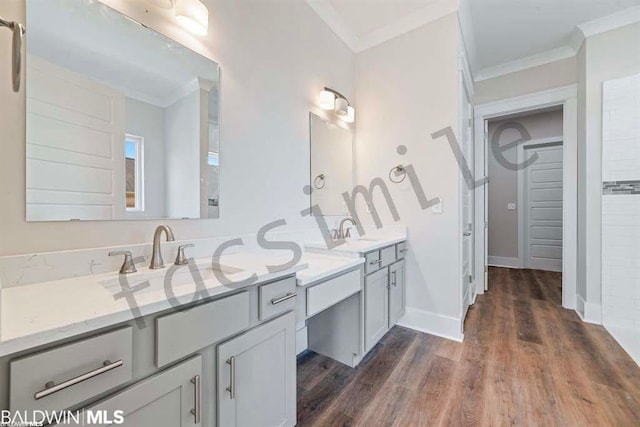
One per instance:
(470, 279)
(486, 269)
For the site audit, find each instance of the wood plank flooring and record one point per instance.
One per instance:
(525, 361)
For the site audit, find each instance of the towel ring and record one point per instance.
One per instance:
(399, 170)
(319, 178)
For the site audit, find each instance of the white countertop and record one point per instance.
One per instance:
(320, 266)
(41, 313)
(362, 245)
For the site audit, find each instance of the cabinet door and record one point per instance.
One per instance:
(376, 307)
(257, 376)
(397, 296)
(168, 399)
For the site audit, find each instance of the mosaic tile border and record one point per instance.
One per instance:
(621, 187)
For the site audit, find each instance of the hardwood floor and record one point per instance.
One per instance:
(525, 361)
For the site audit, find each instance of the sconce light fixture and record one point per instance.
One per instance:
(330, 99)
(192, 15)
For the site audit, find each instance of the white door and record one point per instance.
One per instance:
(75, 146)
(467, 192)
(543, 208)
(257, 376)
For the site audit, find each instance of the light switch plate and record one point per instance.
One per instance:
(437, 209)
(511, 206)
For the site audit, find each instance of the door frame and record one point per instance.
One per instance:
(567, 98)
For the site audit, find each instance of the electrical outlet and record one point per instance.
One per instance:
(511, 206)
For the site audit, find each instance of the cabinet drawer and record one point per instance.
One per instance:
(372, 262)
(387, 256)
(182, 333)
(401, 250)
(68, 375)
(277, 297)
(326, 294)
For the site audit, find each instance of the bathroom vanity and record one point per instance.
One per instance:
(227, 359)
(200, 363)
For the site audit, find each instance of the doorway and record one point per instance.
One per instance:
(543, 212)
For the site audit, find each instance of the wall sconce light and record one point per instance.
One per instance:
(330, 99)
(193, 15)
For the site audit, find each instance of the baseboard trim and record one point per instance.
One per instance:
(588, 312)
(432, 323)
(506, 262)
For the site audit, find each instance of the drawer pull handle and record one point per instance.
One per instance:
(393, 280)
(404, 251)
(288, 296)
(51, 387)
(375, 262)
(232, 370)
(197, 404)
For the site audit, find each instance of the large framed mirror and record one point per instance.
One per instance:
(332, 171)
(122, 122)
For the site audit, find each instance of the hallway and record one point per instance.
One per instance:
(525, 361)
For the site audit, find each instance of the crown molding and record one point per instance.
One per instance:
(328, 14)
(521, 64)
(409, 23)
(611, 22)
(402, 26)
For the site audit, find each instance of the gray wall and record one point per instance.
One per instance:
(503, 183)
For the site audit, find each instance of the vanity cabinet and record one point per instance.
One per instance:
(256, 376)
(384, 292)
(171, 398)
(174, 368)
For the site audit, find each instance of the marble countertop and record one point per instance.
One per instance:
(321, 266)
(362, 245)
(41, 313)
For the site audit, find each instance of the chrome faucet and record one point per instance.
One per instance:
(341, 232)
(156, 259)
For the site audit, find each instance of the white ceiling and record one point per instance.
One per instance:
(500, 35)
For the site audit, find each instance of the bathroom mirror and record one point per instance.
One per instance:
(122, 122)
(331, 165)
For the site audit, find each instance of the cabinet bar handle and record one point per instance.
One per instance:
(197, 404)
(393, 274)
(51, 387)
(284, 298)
(232, 369)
